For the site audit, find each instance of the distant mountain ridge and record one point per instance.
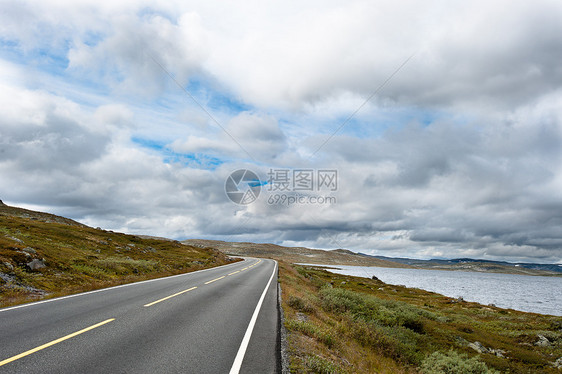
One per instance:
(294, 254)
(474, 265)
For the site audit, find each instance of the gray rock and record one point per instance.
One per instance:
(302, 317)
(498, 352)
(29, 250)
(36, 264)
(542, 341)
(9, 266)
(15, 239)
(478, 347)
(558, 363)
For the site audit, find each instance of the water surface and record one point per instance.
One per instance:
(535, 294)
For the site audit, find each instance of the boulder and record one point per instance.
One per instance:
(542, 341)
(15, 239)
(478, 347)
(498, 352)
(36, 264)
(29, 250)
(374, 278)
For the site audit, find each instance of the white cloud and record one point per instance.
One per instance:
(459, 154)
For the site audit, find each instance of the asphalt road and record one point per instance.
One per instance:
(220, 320)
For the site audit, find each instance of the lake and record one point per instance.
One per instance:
(521, 292)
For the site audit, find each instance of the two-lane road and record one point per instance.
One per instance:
(220, 320)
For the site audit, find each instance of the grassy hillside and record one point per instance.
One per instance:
(294, 254)
(344, 324)
(43, 255)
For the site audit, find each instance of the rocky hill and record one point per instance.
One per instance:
(43, 255)
(294, 254)
(12, 211)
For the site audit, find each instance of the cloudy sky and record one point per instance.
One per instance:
(443, 120)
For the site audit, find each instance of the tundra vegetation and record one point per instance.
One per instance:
(344, 324)
(43, 256)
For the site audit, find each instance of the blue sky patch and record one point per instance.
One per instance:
(192, 160)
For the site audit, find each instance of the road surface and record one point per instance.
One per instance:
(220, 320)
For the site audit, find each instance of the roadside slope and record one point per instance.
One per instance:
(344, 324)
(43, 255)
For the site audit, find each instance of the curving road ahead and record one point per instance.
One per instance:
(220, 320)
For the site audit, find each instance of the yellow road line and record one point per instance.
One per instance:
(27, 353)
(169, 297)
(214, 280)
(243, 269)
(237, 271)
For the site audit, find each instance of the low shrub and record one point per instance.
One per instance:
(299, 304)
(308, 328)
(454, 363)
(320, 365)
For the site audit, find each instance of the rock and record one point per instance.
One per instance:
(374, 278)
(302, 317)
(36, 264)
(492, 305)
(1, 203)
(343, 282)
(103, 242)
(29, 250)
(542, 341)
(478, 347)
(558, 363)
(150, 249)
(15, 239)
(498, 352)
(9, 266)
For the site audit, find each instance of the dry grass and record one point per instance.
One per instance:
(344, 324)
(80, 258)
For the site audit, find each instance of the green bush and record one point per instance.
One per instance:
(299, 304)
(308, 328)
(370, 308)
(454, 363)
(396, 342)
(320, 365)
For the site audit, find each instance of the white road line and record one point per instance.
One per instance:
(109, 288)
(242, 350)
